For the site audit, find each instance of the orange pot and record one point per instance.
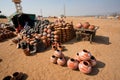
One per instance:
(53, 59)
(61, 61)
(93, 61)
(49, 31)
(85, 67)
(77, 57)
(58, 53)
(54, 47)
(91, 27)
(60, 48)
(72, 64)
(86, 25)
(79, 25)
(56, 36)
(85, 55)
(45, 29)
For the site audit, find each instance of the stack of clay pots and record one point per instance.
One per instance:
(66, 32)
(5, 34)
(58, 58)
(85, 25)
(83, 61)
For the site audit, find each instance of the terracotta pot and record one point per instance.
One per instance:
(48, 35)
(85, 55)
(44, 34)
(85, 67)
(61, 61)
(26, 51)
(91, 27)
(79, 25)
(55, 32)
(45, 42)
(58, 53)
(53, 59)
(72, 64)
(49, 27)
(43, 37)
(56, 36)
(54, 47)
(60, 47)
(93, 61)
(86, 25)
(45, 29)
(77, 57)
(49, 31)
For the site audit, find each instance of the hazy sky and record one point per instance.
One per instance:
(56, 7)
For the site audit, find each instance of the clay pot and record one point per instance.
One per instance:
(86, 25)
(77, 57)
(91, 27)
(56, 36)
(85, 67)
(26, 51)
(54, 47)
(48, 35)
(72, 64)
(45, 42)
(44, 34)
(79, 25)
(60, 47)
(43, 37)
(93, 61)
(53, 59)
(85, 55)
(58, 53)
(55, 32)
(49, 27)
(49, 31)
(45, 29)
(61, 61)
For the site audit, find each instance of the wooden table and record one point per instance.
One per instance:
(86, 34)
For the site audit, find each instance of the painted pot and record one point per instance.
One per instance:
(91, 27)
(72, 64)
(93, 61)
(61, 61)
(85, 55)
(85, 67)
(86, 25)
(58, 53)
(79, 25)
(77, 57)
(53, 59)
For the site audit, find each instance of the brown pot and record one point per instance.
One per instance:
(93, 61)
(72, 64)
(77, 57)
(91, 27)
(85, 67)
(86, 25)
(58, 53)
(61, 61)
(53, 59)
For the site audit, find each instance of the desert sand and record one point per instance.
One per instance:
(105, 48)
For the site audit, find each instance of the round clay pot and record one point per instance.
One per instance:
(86, 25)
(53, 59)
(56, 36)
(72, 64)
(49, 31)
(79, 25)
(58, 53)
(48, 35)
(55, 32)
(85, 67)
(45, 29)
(93, 61)
(85, 55)
(61, 61)
(77, 57)
(91, 27)
(60, 47)
(54, 47)
(44, 33)
(43, 37)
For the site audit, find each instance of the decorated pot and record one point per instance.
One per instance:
(53, 59)
(79, 25)
(61, 61)
(72, 64)
(58, 53)
(85, 67)
(85, 55)
(77, 57)
(86, 25)
(91, 27)
(93, 61)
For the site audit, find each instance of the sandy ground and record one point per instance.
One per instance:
(105, 48)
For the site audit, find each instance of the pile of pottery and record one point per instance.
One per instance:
(66, 31)
(15, 76)
(85, 25)
(83, 61)
(5, 34)
(58, 57)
